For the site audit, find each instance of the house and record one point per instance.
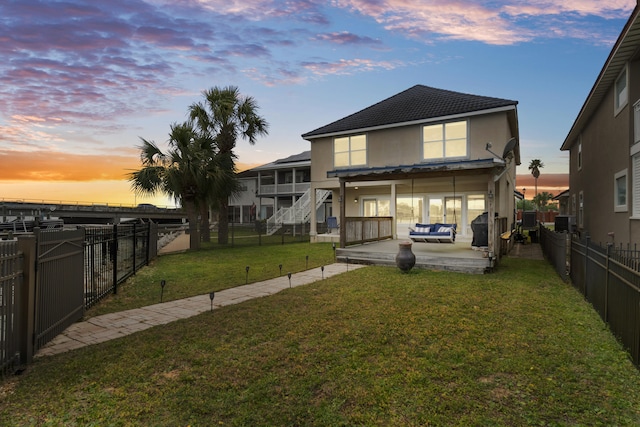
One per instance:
(424, 155)
(604, 147)
(276, 192)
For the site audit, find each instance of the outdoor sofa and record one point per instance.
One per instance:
(433, 233)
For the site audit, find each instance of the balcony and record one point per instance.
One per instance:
(284, 189)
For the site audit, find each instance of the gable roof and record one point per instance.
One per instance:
(414, 105)
(624, 49)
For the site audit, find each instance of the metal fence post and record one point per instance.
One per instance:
(114, 257)
(27, 245)
(606, 285)
(586, 262)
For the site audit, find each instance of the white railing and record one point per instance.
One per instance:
(299, 213)
(280, 189)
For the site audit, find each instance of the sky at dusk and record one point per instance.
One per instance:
(82, 81)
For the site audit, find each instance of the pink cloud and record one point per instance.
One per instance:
(346, 38)
(348, 66)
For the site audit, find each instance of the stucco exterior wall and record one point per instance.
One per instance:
(605, 152)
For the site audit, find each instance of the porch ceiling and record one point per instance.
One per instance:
(421, 170)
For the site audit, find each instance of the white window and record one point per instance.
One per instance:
(581, 209)
(350, 151)
(635, 185)
(444, 140)
(621, 94)
(636, 122)
(376, 207)
(580, 153)
(620, 191)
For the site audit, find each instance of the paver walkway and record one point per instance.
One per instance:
(115, 325)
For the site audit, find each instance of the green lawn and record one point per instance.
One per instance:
(213, 268)
(370, 347)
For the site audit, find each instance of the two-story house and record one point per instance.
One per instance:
(276, 192)
(424, 155)
(604, 147)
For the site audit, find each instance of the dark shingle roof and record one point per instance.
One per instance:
(414, 104)
(301, 157)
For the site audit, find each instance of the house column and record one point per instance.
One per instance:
(343, 214)
(491, 220)
(293, 180)
(392, 211)
(313, 220)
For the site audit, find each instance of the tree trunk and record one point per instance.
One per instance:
(223, 221)
(205, 231)
(192, 217)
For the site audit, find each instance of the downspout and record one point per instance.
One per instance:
(491, 220)
(343, 226)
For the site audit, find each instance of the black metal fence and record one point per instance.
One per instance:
(113, 254)
(609, 278)
(58, 282)
(11, 276)
(555, 246)
(255, 233)
(49, 277)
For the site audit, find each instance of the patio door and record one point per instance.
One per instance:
(453, 211)
(446, 210)
(408, 213)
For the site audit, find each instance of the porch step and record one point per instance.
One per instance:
(440, 263)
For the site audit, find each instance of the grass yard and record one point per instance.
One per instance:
(371, 347)
(213, 268)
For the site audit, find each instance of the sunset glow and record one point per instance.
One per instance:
(83, 81)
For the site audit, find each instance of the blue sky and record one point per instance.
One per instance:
(82, 81)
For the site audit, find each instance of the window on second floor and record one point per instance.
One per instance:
(621, 93)
(620, 191)
(350, 151)
(580, 154)
(444, 140)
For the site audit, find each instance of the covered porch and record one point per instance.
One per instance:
(400, 198)
(458, 256)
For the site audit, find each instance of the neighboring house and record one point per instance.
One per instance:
(604, 147)
(424, 155)
(275, 188)
(563, 202)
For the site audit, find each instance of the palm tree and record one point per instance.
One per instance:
(178, 173)
(542, 199)
(223, 116)
(535, 167)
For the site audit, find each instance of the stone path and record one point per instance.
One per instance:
(115, 325)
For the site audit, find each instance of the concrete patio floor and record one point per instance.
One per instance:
(458, 256)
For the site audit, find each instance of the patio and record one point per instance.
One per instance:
(458, 256)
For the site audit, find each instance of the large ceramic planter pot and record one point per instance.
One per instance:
(405, 259)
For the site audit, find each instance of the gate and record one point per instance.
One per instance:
(10, 283)
(59, 282)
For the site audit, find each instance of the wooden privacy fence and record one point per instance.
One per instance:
(10, 284)
(609, 279)
(367, 229)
